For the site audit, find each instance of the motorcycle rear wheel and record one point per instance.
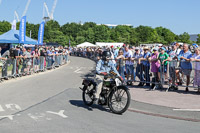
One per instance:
(87, 96)
(119, 100)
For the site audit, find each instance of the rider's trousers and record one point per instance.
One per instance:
(99, 80)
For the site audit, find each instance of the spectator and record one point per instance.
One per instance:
(28, 60)
(116, 51)
(155, 65)
(196, 58)
(129, 64)
(138, 67)
(4, 58)
(185, 66)
(121, 63)
(146, 66)
(173, 63)
(163, 58)
(36, 60)
(49, 58)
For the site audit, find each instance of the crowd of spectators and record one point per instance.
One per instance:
(21, 61)
(164, 63)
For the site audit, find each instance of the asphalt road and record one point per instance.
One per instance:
(51, 102)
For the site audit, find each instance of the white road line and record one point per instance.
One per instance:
(13, 107)
(76, 71)
(8, 116)
(60, 113)
(1, 109)
(191, 110)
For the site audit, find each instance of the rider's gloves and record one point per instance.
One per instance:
(104, 73)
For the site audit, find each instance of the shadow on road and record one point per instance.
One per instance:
(81, 104)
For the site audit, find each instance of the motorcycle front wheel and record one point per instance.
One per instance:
(87, 95)
(119, 100)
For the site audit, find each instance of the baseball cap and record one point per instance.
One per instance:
(155, 49)
(145, 48)
(163, 49)
(137, 48)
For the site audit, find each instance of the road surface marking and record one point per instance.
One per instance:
(1, 109)
(36, 116)
(13, 107)
(60, 113)
(191, 110)
(78, 71)
(7, 116)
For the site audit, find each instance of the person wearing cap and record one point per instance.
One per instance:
(129, 64)
(116, 51)
(196, 59)
(49, 57)
(173, 63)
(155, 65)
(145, 67)
(163, 58)
(136, 56)
(185, 65)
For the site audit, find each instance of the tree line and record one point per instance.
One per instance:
(78, 33)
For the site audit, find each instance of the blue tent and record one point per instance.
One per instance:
(12, 36)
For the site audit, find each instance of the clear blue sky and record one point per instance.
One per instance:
(178, 15)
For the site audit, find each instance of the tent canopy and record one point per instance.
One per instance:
(12, 36)
(103, 44)
(86, 44)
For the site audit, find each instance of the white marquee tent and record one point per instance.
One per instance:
(103, 44)
(86, 44)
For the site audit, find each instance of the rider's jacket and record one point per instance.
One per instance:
(101, 67)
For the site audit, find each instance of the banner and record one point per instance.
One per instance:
(41, 33)
(22, 30)
(13, 27)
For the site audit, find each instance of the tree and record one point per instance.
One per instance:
(166, 36)
(146, 34)
(80, 39)
(198, 39)
(4, 26)
(185, 37)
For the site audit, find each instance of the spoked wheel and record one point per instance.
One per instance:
(87, 95)
(119, 100)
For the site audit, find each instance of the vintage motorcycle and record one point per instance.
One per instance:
(114, 93)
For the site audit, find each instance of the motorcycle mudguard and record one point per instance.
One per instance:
(88, 82)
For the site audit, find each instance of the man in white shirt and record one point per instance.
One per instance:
(129, 63)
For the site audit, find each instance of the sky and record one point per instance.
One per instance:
(177, 15)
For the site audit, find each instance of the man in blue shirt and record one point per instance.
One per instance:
(185, 65)
(104, 66)
(145, 66)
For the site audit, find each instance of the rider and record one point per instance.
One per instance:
(104, 66)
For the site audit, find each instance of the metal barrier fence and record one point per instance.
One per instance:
(163, 76)
(170, 76)
(21, 66)
(184, 74)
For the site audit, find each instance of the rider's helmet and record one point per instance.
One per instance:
(105, 56)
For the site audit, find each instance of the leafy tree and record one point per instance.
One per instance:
(185, 37)
(4, 26)
(77, 33)
(166, 36)
(198, 39)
